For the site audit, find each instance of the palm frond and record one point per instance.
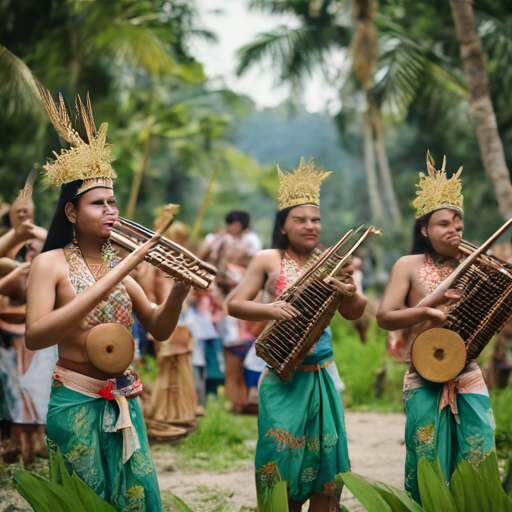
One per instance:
(295, 52)
(18, 87)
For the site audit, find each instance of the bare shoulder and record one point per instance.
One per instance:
(408, 263)
(52, 262)
(267, 258)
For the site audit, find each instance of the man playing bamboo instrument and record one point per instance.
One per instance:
(80, 298)
(301, 428)
(452, 421)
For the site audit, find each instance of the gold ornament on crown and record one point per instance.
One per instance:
(302, 187)
(88, 161)
(437, 191)
(26, 192)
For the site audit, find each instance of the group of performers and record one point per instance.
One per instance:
(81, 299)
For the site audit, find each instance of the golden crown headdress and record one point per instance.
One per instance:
(87, 160)
(302, 187)
(437, 191)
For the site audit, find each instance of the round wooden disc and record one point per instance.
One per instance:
(7, 266)
(438, 355)
(110, 347)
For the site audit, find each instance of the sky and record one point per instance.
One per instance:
(236, 26)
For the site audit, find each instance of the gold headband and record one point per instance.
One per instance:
(437, 191)
(302, 187)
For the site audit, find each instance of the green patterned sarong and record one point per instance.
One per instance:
(452, 421)
(83, 427)
(302, 438)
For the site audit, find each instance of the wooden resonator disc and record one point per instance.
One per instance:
(110, 347)
(438, 355)
(7, 266)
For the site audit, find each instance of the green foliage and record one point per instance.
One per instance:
(62, 493)
(372, 378)
(471, 490)
(222, 441)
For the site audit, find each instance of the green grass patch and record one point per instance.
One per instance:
(373, 380)
(223, 440)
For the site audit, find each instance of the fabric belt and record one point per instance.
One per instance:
(105, 389)
(315, 367)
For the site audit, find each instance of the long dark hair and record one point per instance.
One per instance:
(280, 240)
(60, 233)
(421, 244)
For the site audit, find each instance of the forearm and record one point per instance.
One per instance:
(165, 317)
(402, 319)
(249, 310)
(352, 308)
(8, 242)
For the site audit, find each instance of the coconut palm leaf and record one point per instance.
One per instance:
(18, 87)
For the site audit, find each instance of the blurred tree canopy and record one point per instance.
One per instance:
(169, 126)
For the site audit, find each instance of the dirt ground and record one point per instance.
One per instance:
(376, 448)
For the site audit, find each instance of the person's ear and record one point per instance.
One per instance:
(424, 231)
(70, 212)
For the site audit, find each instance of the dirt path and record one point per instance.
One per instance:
(376, 448)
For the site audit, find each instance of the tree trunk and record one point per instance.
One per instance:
(383, 162)
(371, 175)
(364, 49)
(475, 71)
(137, 180)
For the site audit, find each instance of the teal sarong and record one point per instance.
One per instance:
(452, 421)
(301, 430)
(83, 428)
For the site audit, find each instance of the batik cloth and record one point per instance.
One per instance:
(103, 440)
(451, 421)
(301, 428)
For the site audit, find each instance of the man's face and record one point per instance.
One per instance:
(302, 226)
(21, 210)
(235, 228)
(444, 231)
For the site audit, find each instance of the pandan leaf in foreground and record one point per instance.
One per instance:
(434, 492)
(398, 500)
(364, 492)
(63, 493)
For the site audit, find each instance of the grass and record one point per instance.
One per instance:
(223, 440)
(373, 380)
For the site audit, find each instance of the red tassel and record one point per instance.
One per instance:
(106, 392)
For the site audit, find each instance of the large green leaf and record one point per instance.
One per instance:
(60, 498)
(476, 495)
(364, 492)
(489, 471)
(180, 505)
(434, 492)
(32, 487)
(409, 504)
(279, 499)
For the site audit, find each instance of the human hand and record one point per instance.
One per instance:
(435, 317)
(281, 310)
(25, 231)
(345, 287)
(180, 290)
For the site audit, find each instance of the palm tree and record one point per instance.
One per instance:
(486, 126)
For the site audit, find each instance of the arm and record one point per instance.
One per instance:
(241, 305)
(393, 312)
(161, 321)
(8, 242)
(47, 326)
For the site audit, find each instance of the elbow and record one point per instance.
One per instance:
(383, 321)
(232, 309)
(30, 341)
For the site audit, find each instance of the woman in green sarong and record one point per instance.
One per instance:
(78, 284)
(451, 421)
(301, 430)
